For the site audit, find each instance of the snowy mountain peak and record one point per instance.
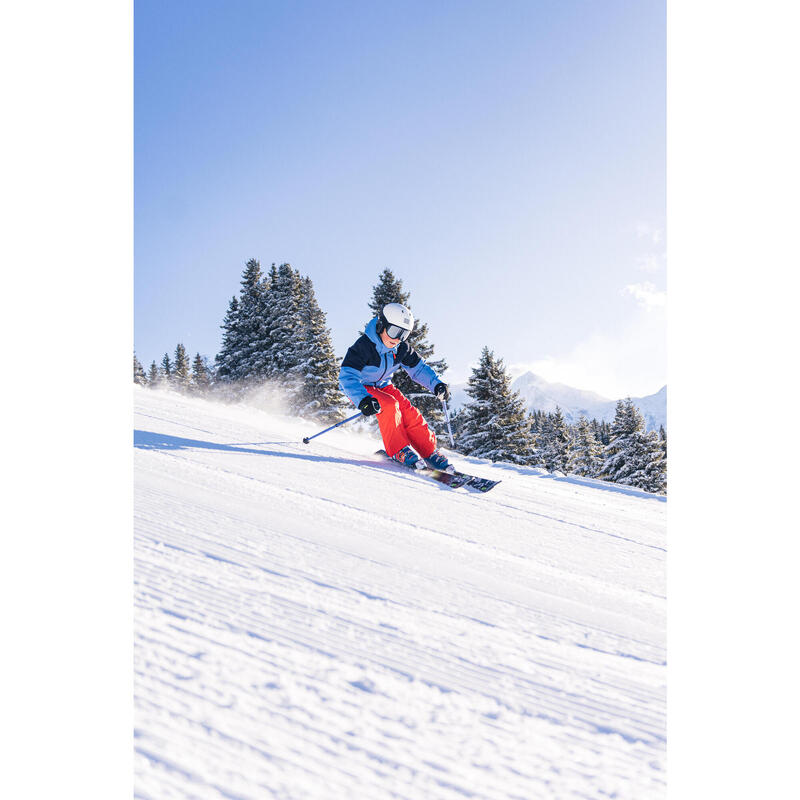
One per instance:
(545, 396)
(536, 389)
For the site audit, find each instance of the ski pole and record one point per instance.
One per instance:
(307, 439)
(447, 417)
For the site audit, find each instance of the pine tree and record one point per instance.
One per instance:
(553, 449)
(285, 327)
(319, 396)
(276, 331)
(153, 375)
(226, 359)
(494, 424)
(633, 457)
(249, 323)
(181, 370)
(165, 373)
(263, 344)
(247, 349)
(389, 289)
(457, 419)
(201, 375)
(138, 372)
(654, 472)
(615, 453)
(543, 433)
(602, 432)
(584, 457)
(537, 421)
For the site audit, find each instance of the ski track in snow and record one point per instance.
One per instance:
(311, 622)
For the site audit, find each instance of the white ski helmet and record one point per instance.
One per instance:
(396, 320)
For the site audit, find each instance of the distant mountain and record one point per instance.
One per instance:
(544, 396)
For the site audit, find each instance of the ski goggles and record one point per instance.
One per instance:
(396, 332)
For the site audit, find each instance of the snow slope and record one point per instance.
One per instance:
(312, 622)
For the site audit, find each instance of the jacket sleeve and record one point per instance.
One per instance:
(418, 370)
(351, 385)
(350, 375)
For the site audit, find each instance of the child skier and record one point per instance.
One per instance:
(365, 377)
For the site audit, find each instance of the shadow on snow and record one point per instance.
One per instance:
(147, 440)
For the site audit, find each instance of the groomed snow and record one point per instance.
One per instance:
(312, 622)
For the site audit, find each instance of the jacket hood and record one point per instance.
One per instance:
(371, 332)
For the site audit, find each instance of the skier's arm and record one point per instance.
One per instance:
(418, 370)
(350, 375)
(351, 385)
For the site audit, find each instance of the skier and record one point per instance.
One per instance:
(365, 377)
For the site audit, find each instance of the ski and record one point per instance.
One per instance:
(480, 484)
(454, 480)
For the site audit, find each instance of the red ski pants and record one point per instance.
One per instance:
(400, 423)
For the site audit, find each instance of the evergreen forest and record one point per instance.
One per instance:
(275, 333)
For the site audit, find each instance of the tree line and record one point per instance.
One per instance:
(275, 332)
(496, 425)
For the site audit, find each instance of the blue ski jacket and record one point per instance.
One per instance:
(369, 362)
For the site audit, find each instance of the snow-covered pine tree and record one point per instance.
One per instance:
(542, 432)
(494, 424)
(201, 375)
(285, 327)
(456, 423)
(153, 375)
(182, 368)
(537, 421)
(226, 359)
(138, 372)
(319, 396)
(553, 449)
(165, 373)
(584, 458)
(654, 473)
(615, 453)
(264, 343)
(595, 426)
(389, 289)
(249, 322)
(629, 453)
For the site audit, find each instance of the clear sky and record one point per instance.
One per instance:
(505, 159)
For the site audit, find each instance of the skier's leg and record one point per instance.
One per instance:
(390, 421)
(421, 437)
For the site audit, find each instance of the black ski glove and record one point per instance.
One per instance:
(369, 405)
(441, 391)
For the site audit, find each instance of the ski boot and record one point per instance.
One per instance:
(438, 460)
(408, 458)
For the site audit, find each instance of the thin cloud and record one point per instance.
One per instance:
(647, 231)
(630, 361)
(649, 263)
(647, 295)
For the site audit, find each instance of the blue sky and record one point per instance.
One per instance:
(506, 160)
